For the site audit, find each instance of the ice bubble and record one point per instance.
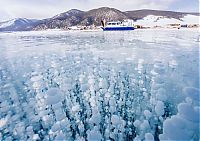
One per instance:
(65, 123)
(60, 137)
(94, 135)
(54, 95)
(29, 129)
(163, 137)
(36, 85)
(19, 128)
(188, 112)
(36, 137)
(145, 94)
(159, 108)
(158, 64)
(145, 125)
(156, 86)
(116, 120)
(59, 114)
(91, 81)
(149, 137)
(107, 133)
(161, 119)
(161, 97)
(147, 114)
(140, 65)
(173, 63)
(3, 122)
(112, 101)
(48, 118)
(159, 70)
(57, 106)
(141, 82)
(76, 108)
(192, 92)
(112, 109)
(96, 118)
(84, 87)
(55, 127)
(161, 94)
(81, 127)
(78, 138)
(174, 130)
(107, 95)
(103, 83)
(137, 138)
(136, 123)
(82, 79)
(92, 101)
(153, 101)
(188, 100)
(36, 78)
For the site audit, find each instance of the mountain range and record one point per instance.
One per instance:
(76, 17)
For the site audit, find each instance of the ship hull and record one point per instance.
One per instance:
(117, 28)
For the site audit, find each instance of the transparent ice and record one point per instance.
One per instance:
(134, 85)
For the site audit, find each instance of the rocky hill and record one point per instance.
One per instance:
(96, 15)
(76, 17)
(63, 20)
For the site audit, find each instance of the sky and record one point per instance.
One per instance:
(40, 9)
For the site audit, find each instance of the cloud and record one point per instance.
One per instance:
(48, 8)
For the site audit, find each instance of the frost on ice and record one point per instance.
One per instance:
(67, 93)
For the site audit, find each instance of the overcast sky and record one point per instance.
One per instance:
(39, 9)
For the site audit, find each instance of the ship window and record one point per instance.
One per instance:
(113, 23)
(109, 23)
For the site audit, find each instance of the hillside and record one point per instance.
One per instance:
(139, 14)
(96, 15)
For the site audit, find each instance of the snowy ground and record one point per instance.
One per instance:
(134, 85)
(162, 21)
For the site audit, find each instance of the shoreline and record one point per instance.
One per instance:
(100, 30)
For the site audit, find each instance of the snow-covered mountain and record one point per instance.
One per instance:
(18, 24)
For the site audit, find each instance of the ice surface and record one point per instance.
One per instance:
(134, 85)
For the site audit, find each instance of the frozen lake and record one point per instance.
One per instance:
(84, 85)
